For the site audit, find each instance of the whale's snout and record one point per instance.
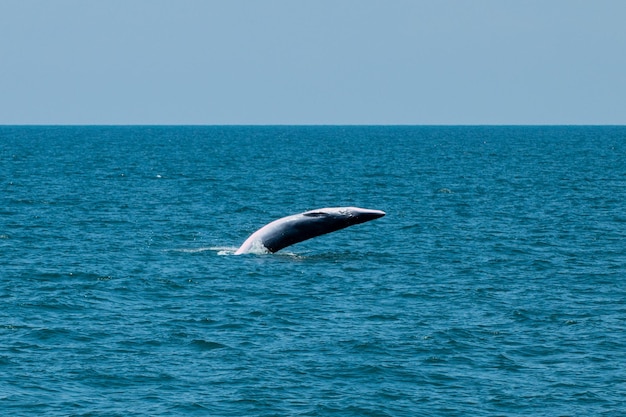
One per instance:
(375, 214)
(366, 215)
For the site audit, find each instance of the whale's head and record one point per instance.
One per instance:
(347, 215)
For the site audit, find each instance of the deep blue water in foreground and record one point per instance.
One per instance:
(495, 285)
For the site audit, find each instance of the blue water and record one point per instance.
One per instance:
(495, 285)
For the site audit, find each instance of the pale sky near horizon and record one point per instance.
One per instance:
(312, 62)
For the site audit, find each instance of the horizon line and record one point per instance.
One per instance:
(307, 125)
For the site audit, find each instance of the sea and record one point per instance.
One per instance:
(494, 286)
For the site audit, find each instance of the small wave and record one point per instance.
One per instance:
(191, 250)
(221, 250)
(224, 250)
(257, 249)
(230, 250)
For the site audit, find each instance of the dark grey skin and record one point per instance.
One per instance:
(293, 229)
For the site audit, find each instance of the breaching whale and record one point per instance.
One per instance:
(293, 229)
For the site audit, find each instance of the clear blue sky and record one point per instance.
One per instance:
(312, 62)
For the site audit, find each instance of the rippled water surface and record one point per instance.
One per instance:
(495, 285)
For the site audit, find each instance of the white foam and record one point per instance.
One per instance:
(257, 248)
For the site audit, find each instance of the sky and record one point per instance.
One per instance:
(266, 62)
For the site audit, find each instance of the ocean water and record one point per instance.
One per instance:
(495, 285)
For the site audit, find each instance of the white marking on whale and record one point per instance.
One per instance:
(293, 229)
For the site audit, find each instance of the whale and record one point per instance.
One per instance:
(296, 228)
